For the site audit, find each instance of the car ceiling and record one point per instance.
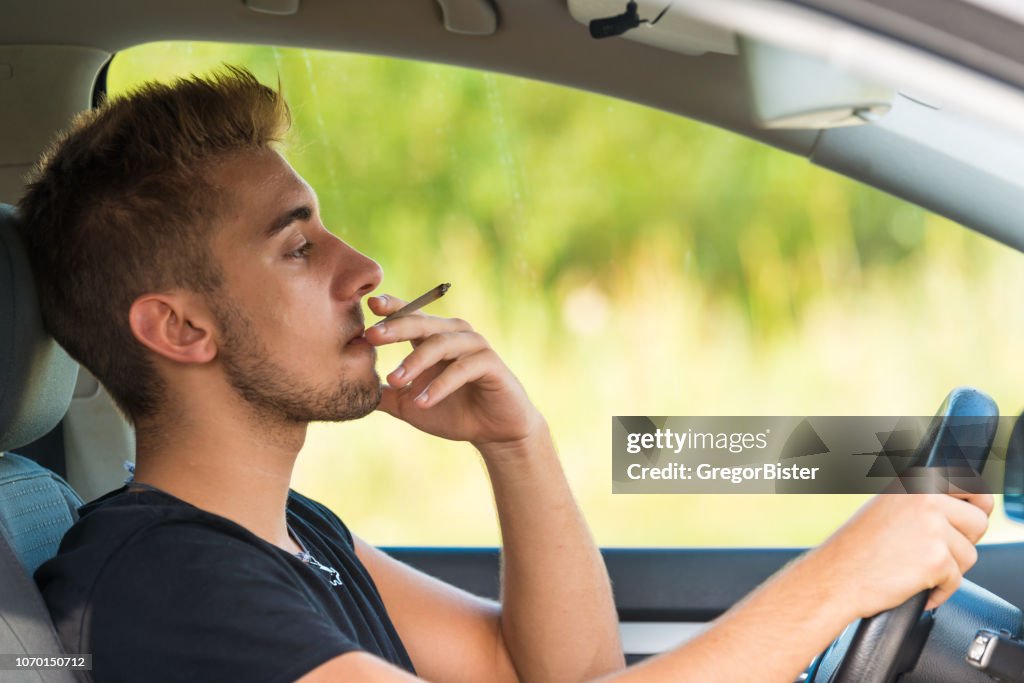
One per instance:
(50, 52)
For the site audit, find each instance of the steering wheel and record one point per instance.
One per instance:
(885, 645)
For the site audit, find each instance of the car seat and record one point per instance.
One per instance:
(37, 506)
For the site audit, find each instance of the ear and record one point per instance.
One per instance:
(176, 326)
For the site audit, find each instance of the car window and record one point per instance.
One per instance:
(623, 261)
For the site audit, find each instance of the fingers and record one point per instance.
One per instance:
(963, 551)
(384, 304)
(966, 524)
(946, 587)
(966, 511)
(433, 350)
(466, 369)
(435, 340)
(967, 518)
(413, 328)
(983, 501)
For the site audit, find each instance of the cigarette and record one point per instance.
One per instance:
(418, 303)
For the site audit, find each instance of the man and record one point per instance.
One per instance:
(183, 261)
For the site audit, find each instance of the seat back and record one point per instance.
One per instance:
(37, 379)
(36, 508)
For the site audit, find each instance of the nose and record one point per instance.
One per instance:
(356, 274)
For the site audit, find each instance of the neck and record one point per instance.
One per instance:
(234, 468)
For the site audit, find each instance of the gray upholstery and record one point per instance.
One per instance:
(36, 506)
(37, 377)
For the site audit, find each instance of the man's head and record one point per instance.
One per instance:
(168, 240)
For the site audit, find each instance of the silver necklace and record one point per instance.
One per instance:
(307, 558)
(304, 555)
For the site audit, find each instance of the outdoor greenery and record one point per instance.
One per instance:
(624, 261)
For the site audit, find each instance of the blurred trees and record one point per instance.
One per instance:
(624, 261)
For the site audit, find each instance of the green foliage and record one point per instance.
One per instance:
(624, 261)
(545, 180)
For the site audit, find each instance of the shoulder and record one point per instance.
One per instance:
(158, 590)
(192, 545)
(122, 531)
(125, 554)
(186, 595)
(319, 516)
(164, 561)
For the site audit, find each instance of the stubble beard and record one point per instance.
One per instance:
(266, 387)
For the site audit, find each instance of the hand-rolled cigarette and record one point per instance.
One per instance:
(417, 303)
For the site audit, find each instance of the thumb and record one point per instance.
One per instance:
(384, 304)
(388, 400)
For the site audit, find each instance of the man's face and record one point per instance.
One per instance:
(289, 309)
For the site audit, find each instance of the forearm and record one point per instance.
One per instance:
(558, 617)
(771, 636)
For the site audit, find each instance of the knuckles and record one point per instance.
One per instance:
(930, 503)
(934, 525)
(937, 561)
(979, 525)
(985, 503)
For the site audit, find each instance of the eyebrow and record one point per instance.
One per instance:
(300, 213)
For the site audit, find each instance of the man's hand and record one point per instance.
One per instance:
(453, 384)
(557, 618)
(898, 545)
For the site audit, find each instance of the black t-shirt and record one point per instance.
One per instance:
(158, 590)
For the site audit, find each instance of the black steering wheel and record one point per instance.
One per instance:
(885, 645)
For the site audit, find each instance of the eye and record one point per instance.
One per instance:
(300, 253)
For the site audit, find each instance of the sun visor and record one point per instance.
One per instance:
(794, 90)
(788, 89)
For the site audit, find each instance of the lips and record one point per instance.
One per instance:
(357, 337)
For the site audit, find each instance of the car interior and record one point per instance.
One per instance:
(922, 102)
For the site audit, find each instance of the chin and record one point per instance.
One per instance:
(356, 400)
(360, 402)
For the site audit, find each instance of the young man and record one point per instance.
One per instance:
(183, 261)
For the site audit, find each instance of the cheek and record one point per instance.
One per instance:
(285, 301)
(294, 320)
(302, 312)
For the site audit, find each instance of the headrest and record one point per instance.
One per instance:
(37, 377)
